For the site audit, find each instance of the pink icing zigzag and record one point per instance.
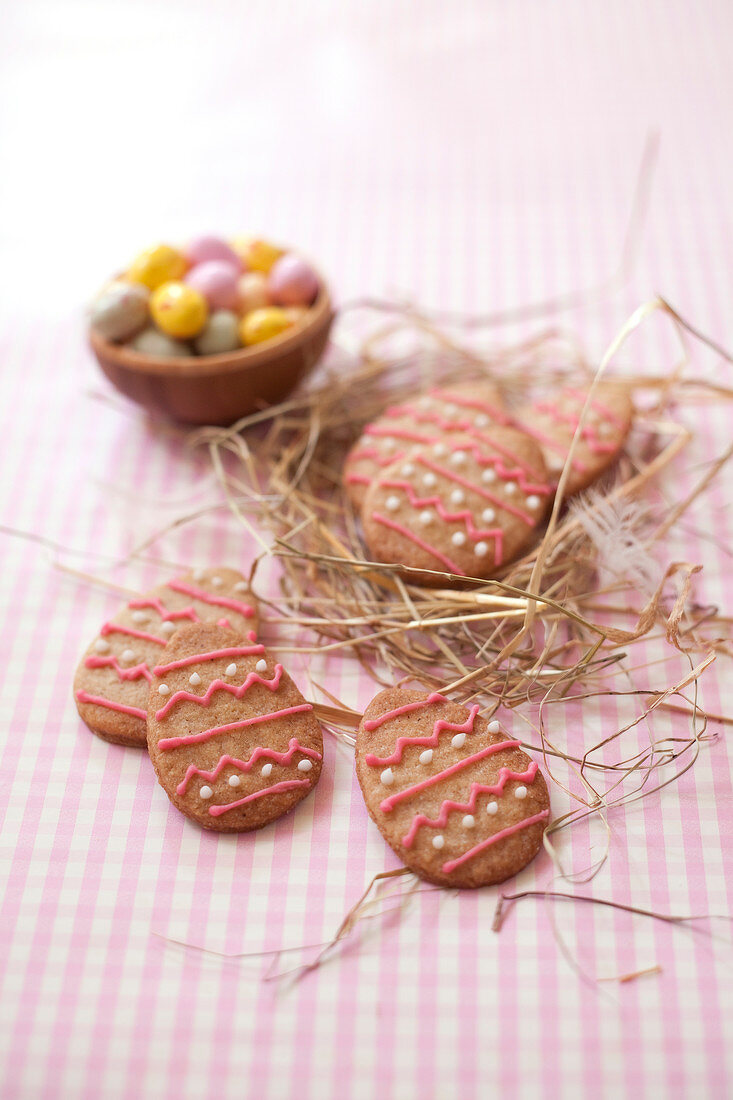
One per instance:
(157, 604)
(476, 534)
(212, 655)
(285, 785)
(399, 796)
(167, 743)
(215, 601)
(132, 673)
(372, 724)
(600, 407)
(449, 806)
(246, 765)
(509, 831)
(438, 728)
(238, 691)
(588, 433)
(451, 476)
(406, 533)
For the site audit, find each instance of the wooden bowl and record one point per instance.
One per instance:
(219, 389)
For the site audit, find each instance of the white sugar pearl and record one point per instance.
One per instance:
(261, 665)
(387, 442)
(101, 646)
(440, 449)
(458, 538)
(488, 515)
(266, 770)
(199, 574)
(481, 549)
(392, 504)
(429, 480)
(457, 496)
(167, 627)
(163, 689)
(128, 656)
(234, 780)
(426, 518)
(231, 669)
(488, 475)
(494, 727)
(458, 458)
(387, 777)
(407, 470)
(458, 741)
(533, 502)
(206, 792)
(492, 808)
(194, 679)
(520, 792)
(604, 428)
(510, 488)
(451, 410)
(241, 586)
(305, 765)
(438, 841)
(469, 821)
(482, 421)
(217, 582)
(426, 757)
(424, 401)
(139, 617)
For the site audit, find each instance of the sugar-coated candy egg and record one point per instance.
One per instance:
(151, 341)
(120, 310)
(292, 282)
(203, 249)
(217, 281)
(179, 310)
(220, 334)
(252, 292)
(257, 255)
(157, 265)
(263, 324)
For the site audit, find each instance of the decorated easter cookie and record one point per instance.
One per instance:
(423, 420)
(552, 424)
(111, 683)
(233, 742)
(455, 796)
(467, 504)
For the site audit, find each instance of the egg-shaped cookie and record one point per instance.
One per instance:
(233, 742)
(453, 795)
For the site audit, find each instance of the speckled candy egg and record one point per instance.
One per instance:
(252, 292)
(263, 324)
(292, 282)
(157, 265)
(203, 249)
(220, 335)
(153, 342)
(217, 281)
(179, 310)
(255, 254)
(120, 310)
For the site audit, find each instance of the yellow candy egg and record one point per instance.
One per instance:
(179, 310)
(256, 255)
(158, 265)
(263, 324)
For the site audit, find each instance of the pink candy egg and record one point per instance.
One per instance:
(292, 282)
(217, 281)
(203, 249)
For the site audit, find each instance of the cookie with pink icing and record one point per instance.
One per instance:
(467, 504)
(451, 793)
(112, 681)
(233, 742)
(424, 420)
(552, 423)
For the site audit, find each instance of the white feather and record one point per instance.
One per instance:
(616, 527)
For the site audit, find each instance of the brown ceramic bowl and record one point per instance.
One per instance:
(219, 389)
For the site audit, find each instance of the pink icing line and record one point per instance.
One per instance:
(220, 685)
(436, 468)
(509, 831)
(196, 738)
(401, 530)
(358, 479)
(599, 406)
(157, 605)
(494, 533)
(216, 601)
(285, 785)
(374, 723)
(136, 712)
(113, 628)
(449, 806)
(389, 803)
(294, 747)
(402, 742)
(214, 654)
(587, 432)
(133, 673)
(397, 433)
(472, 403)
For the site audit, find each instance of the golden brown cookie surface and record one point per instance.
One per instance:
(233, 742)
(456, 798)
(111, 682)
